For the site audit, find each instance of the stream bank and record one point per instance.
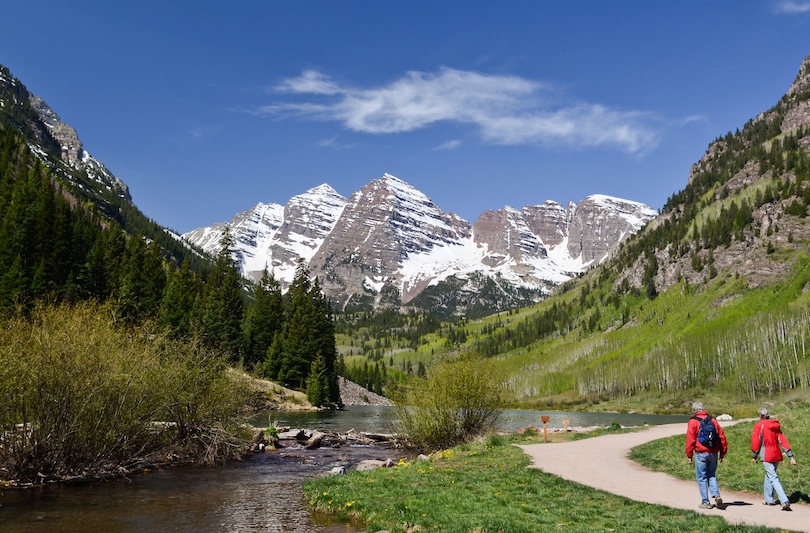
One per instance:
(260, 493)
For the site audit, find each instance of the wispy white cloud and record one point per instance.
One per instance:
(793, 7)
(505, 109)
(692, 118)
(333, 143)
(449, 145)
(309, 81)
(203, 132)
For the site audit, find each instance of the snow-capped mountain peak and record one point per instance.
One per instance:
(389, 242)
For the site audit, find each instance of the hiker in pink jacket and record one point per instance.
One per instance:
(767, 443)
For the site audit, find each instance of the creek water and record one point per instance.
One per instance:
(381, 419)
(261, 494)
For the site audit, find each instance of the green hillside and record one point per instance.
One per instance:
(708, 300)
(69, 233)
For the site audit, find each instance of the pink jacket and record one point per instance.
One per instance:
(768, 434)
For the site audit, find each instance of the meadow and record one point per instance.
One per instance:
(486, 487)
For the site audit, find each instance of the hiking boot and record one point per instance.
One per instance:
(705, 505)
(786, 506)
(718, 501)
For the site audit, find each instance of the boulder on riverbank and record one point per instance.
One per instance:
(373, 464)
(312, 439)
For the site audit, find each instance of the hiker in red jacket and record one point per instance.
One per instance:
(767, 443)
(706, 455)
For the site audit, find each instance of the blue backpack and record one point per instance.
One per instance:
(707, 433)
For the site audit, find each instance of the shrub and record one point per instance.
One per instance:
(496, 440)
(202, 402)
(459, 401)
(81, 395)
(75, 393)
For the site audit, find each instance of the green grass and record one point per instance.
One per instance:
(737, 472)
(722, 329)
(487, 486)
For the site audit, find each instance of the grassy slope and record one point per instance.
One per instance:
(487, 487)
(687, 342)
(683, 323)
(700, 325)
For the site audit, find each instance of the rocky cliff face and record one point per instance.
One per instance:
(383, 224)
(72, 151)
(389, 242)
(54, 138)
(791, 113)
(797, 100)
(599, 222)
(275, 237)
(748, 255)
(309, 220)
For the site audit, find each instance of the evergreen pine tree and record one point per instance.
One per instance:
(318, 383)
(93, 275)
(264, 319)
(178, 313)
(224, 308)
(143, 281)
(114, 246)
(273, 361)
(325, 340)
(300, 342)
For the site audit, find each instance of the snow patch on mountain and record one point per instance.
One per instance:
(273, 236)
(635, 214)
(390, 234)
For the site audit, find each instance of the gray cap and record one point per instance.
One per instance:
(697, 406)
(763, 412)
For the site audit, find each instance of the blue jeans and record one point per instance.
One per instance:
(772, 484)
(705, 469)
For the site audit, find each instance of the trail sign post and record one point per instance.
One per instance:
(545, 419)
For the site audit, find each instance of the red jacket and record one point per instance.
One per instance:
(692, 444)
(768, 434)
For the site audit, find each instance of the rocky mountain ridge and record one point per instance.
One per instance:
(388, 243)
(750, 254)
(61, 141)
(82, 179)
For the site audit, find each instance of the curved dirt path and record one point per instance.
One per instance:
(602, 463)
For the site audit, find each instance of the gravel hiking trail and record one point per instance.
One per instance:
(602, 463)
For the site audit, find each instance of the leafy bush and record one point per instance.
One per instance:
(459, 401)
(202, 402)
(81, 395)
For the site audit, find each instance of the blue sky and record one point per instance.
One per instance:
(206, 108)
